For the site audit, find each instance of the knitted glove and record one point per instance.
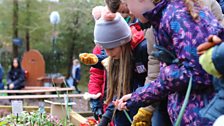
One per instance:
(143, 117)
(206, 62)
(88, 58)
(97, 108)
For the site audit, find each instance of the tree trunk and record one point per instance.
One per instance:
(70, 58)
(72, 48)
(15, 26)
(27, 25)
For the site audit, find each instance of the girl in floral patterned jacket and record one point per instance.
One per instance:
(180, 26)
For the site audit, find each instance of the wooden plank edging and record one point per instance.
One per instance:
(76, 118)
(39, 96)
(25, 108)
(31, 91)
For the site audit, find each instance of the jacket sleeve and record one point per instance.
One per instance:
(73, 72)
(96, 78)
(217, 11)
(174, 77)
(153, 63)
(19, 83)
(99, 65)
(78, 74)
(109, 111)
(9, 81)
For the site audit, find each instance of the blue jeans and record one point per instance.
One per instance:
(215, 108)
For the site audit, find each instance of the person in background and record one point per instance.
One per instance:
(76, 74)
(127, 51)
(16, 76)
(97, 85)
(211, 58)
(1, 77)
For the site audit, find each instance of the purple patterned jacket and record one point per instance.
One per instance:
(179, 33)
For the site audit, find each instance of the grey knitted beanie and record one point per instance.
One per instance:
(111, 34)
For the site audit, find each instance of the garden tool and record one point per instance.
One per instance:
(186, 99)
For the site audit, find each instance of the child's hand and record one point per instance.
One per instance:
(88, 58)
(116, 103)
(121, 104)
(212, 41)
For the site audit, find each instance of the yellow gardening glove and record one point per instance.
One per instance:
(143, 117)
(88, 58)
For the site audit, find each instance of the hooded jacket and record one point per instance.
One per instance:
(177, 32)
(97, 77)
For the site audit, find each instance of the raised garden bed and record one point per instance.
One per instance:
(35, 118)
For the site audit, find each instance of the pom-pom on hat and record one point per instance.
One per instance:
(112, 33)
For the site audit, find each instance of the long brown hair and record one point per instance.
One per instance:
(193, 7)
(120, 72)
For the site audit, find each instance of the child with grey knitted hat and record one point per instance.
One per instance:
(111, 34)
(126, 48)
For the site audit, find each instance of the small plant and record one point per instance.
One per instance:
(31, 119)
